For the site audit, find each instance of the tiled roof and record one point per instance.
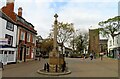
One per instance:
(22, 20)
(4, 16)
(14, 18)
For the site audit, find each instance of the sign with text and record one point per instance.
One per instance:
(3, 41)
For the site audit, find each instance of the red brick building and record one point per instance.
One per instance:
(94, 41)
(26, 34)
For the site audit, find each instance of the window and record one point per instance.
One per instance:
(33, 39)
(28, 37)
(22, 35)
(27, 50)
(110, 43)
(10, 26)
(10, 39)
(117, 41)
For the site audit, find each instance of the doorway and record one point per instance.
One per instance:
(5, 57)
(21, 52)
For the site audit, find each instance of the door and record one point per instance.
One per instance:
(21, 51)
(5, 57)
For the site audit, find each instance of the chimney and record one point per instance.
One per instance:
(20, 11)
(10, 5)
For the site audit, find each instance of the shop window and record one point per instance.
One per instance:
(10, 26)
(9, 52)
(10, 39)
(5, 52)
(12, 52)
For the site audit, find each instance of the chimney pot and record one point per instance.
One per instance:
(10, 4)
(20, 11)
(10, 1)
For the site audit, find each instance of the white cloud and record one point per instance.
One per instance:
(39, 14)
(94, 0)
(83, 15)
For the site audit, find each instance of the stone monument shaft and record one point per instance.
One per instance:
(55, 34)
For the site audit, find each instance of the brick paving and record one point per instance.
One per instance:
(80, 68)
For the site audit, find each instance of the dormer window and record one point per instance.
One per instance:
(10, 26)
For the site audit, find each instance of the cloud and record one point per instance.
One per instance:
(39, 14)
(83, 13)
(2, 3)
(86, 14)
(94, 0)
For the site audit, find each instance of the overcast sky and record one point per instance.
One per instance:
(82, 13)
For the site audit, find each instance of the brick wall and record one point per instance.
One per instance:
(94, 40)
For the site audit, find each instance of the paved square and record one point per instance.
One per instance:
(79, 67)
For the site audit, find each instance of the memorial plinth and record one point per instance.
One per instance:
(55, 62)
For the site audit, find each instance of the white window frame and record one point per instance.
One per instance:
(10, 39)
(10, 26)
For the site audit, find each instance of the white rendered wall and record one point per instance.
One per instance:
(116, 42)
(4, 31)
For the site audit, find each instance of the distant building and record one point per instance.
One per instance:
(103, 45)
(26, 34)
(39, 40)
(114, 48)
(68, 51)
(94, 41)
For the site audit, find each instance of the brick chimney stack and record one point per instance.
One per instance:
(20, 11)
(10, 5)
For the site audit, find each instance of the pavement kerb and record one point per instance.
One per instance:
(53, 74)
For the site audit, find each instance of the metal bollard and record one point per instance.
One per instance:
(56, 67)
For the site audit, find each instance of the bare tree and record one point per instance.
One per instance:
(64, 32)
(80, 41)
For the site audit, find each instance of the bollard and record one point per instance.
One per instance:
(63, 66)
(45, 67)
(56, 68)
